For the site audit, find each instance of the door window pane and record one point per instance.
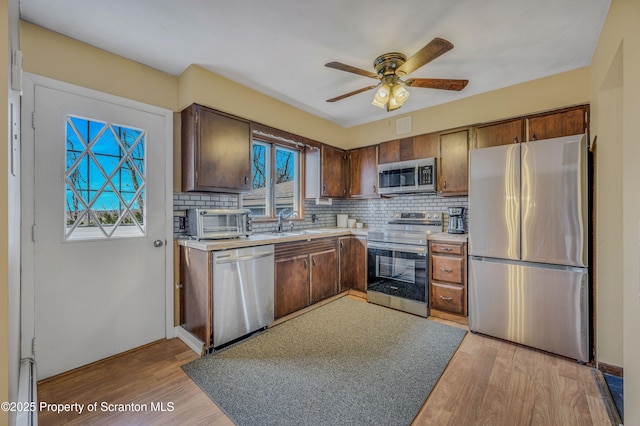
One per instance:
(104, 180)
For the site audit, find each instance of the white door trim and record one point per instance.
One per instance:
(28, 206)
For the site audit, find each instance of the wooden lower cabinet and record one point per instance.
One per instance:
(324, 275)
(305, 273)
(353, 263)
(291, 284)
(448, 280)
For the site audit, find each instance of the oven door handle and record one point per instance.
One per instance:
(419, 250)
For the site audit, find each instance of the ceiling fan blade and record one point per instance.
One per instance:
(432, 50)
(348, 68)
(355, 92)
(437, 83)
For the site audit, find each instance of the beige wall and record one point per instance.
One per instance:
(569, 88)
(615, 92)
(4, 220)
(55, 56)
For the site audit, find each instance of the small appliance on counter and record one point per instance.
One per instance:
(456, 220)
(213, 224)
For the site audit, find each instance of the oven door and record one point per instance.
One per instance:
(397, 270)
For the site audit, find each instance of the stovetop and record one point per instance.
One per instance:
(408, 228)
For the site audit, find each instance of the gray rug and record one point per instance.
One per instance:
(345, 363)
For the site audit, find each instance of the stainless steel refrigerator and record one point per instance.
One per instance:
(528, 244)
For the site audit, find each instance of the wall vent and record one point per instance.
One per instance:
(403, 125)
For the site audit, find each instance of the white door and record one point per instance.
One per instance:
(100, 227)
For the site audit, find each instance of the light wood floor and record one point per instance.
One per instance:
(487, 382)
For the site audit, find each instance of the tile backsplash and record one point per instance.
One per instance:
(373, 212)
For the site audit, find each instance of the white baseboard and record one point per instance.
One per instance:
(190, 340)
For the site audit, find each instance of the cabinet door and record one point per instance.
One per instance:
(333, 172)
(389, 152)
(557, 124)
(454, 163)
(291, 285)
(196, 293)
(223, 157)
(359, 263)
(499, 134)
(422, 146)
(363, 171)
(324, 275)
(346, 263)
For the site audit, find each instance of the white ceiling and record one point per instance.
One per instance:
(279, 47)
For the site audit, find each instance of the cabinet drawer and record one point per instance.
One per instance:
(448, 248)
(446, 297)
(447, 268)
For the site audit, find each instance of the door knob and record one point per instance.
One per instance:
(157, 243)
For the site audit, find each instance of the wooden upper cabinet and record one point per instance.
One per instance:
(389, 152)
(454, 163)
(333, 172)
(414, 148)
(504, 133)
(422, 146)
(216, 151)
(565, 122)
(363, 171)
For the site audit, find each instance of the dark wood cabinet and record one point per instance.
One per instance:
(216, 151)
(503, 133)
(324, 274)
(195, 277)
(413, 148)
(454, 163)
(305, 273)
(448, 280)
(363, 171)
(291, 284)
(565, 122)
(353, 263)
(333, 168)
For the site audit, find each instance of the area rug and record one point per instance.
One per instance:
(345, 363)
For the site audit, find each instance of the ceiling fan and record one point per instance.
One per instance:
(389, 68)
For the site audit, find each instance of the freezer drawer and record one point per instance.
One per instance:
(537, 305)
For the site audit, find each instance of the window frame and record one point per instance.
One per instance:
(271, 206)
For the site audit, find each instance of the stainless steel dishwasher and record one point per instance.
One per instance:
(243, 292)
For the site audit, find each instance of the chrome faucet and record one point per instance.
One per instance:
(282, 216)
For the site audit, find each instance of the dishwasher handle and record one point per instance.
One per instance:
(227, 258)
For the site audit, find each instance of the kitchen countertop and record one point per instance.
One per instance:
(264, 238)
(446, 237)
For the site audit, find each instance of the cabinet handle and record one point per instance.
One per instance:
(324, 187)
(306, 265)
(341, 245)
(446, 270)
(533, 137)
(515, 140)
(446, 299)
(374, 189)
(444, 184)
(445, 248)
(246, 180)
(313, 262)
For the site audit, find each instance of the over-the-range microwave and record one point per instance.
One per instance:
(213, 224)
(404, 177)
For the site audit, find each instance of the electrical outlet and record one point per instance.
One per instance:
(182, 222)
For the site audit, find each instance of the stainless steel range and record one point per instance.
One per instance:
(397, 261)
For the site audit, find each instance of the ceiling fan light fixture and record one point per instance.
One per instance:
(382, 95)
(400, 93)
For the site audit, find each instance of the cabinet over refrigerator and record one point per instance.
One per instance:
(528, 244)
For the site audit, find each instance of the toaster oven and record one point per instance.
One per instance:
(213, 224)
